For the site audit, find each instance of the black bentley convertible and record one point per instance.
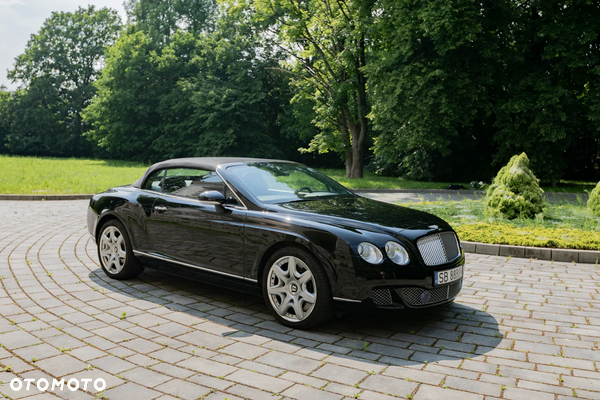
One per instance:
(279, 229)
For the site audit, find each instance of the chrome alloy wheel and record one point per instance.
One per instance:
(113, 250)
(291, 288)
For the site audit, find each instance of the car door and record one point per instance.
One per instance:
(195, 234)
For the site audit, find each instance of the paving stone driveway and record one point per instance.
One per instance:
(521, 329)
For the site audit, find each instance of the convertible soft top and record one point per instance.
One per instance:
(206, 163)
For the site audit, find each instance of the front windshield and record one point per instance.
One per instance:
(277, 182)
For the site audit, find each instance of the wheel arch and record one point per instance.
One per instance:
(262, 262)
(104, 219)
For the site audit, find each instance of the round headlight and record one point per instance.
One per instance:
(370, 253)
(397, 253)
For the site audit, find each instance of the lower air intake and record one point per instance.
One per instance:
(415, 296)
(382, 297)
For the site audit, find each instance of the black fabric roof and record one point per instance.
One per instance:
(207, 163)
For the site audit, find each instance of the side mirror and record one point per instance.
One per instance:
(212, 197)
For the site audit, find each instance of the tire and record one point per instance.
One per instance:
(116, 253)
(296, 289)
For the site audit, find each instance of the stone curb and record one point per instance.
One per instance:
(540, 253)
(45, 196)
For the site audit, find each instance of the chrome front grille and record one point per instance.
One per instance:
(415, 296)
(382, 297)
(438, 248)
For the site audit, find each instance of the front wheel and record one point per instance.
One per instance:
(115, 252)
(296, 289)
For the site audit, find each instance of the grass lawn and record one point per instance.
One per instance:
(569, 226)
(34, 175)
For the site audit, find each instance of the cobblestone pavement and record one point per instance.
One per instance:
(521, 329)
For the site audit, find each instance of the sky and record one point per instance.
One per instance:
(19, 19)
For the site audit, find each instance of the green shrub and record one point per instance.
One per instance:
(506, 233)
(594, 201)
(515, 192)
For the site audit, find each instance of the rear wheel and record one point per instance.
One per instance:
(115, 252)
(296, 289)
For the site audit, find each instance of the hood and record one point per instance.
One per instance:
(364, 213)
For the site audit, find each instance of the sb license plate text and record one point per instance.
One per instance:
(448, 276)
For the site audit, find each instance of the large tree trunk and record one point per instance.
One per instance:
(347, 147)
(359, 129)
(358, 151)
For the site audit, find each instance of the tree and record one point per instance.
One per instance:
(200, 95)
(549, 103)
(5, 98)
(325, 48)
(56, 73)
(434, 76)
(459, 86)
(161, 19)
(123, 117)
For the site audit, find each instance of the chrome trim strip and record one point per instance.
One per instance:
(347, 300)
(163, 258)
(230, 187)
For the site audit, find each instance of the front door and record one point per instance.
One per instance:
(195, 234)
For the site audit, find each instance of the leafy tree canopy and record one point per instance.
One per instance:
(325, 48)
(56, 73)
(161, 19)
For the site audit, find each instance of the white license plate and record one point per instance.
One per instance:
(447, 276)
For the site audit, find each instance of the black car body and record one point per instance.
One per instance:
(216, 228)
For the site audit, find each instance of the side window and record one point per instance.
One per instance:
(154, 181)
(191, 182)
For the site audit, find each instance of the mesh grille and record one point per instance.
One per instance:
(382, 297)
(415, 296)
(438, 248)
(454, 288)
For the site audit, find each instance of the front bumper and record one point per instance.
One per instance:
(416, 289)
(399, 297)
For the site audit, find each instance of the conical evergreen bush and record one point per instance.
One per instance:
(594, 201)
(515, 192)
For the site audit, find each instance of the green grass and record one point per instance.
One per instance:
(571, 187)
(34, 175)
(569, 226)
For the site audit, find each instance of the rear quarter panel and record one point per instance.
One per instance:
(129, 205)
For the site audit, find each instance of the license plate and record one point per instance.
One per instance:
(447, 276)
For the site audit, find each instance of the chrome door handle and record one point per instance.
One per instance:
(160, 209)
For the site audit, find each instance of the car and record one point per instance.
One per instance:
(278, 229)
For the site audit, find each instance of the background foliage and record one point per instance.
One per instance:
(429, 90)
